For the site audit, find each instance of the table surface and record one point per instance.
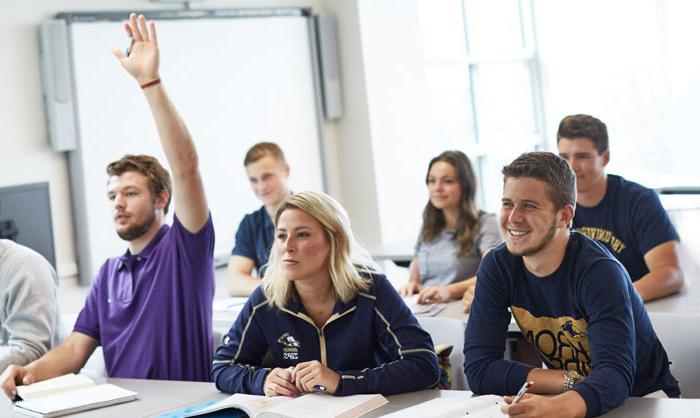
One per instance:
(157, 397)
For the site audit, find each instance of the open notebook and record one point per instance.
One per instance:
(429, 309)
(487, 406)
(68, 394)
(314, 404)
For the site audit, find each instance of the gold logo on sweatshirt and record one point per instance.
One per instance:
(561, 342)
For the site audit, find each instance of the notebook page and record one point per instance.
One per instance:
(326, 406)
(250, 404)
(55, 385)
(488, 406)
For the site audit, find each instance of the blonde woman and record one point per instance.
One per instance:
(330, 321)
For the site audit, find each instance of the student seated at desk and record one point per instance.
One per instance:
(268, 172)
(150, 308)
(572, 300)
(455, 234)
(625, 217)
(330, 321)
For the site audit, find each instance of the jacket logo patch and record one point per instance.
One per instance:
(290, 346)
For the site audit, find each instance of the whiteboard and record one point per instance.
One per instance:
(235, 80)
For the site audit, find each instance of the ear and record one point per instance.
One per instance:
(566, 215)
(286, 170)
(606, 157)
(162, 199)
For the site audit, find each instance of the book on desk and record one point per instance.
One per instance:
(486, 406)
(68, 394)
(313, 404)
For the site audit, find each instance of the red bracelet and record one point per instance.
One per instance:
(150, 83)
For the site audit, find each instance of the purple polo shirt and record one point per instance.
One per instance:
(151, 312)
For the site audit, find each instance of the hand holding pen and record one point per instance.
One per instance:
(564, 405)
(141, 59)
(523, 390)
(312, 376)
(515, 399)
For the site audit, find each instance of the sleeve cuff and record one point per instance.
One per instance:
(87, 331)
(590, 396)
(518, 376)
(351, 385)
(259, 381)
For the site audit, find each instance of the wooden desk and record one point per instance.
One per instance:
(158, 397)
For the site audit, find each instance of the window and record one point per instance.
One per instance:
(483, 82)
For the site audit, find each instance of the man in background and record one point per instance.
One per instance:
(625, 217)
(268, 173)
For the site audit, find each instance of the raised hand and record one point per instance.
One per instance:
(143, 60)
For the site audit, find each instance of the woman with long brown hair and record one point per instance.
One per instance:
(455, 234)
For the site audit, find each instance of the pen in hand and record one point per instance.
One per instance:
(523, 390)
(128, 48)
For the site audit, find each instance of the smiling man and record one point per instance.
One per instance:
(571, 299)
(625, 217)
(268, 172)
(149, 309)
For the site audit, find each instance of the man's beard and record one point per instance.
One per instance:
(540, 245)
(138, 230)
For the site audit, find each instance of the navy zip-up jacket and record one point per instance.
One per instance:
(374, 342)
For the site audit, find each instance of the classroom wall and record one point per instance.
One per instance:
(384, 138)
(25, 155)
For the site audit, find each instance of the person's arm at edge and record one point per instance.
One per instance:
(665, 276)
(69, 357)
(30, 312)
(189, 197)
(240, 279)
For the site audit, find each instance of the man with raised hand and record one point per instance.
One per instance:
(625, 217)
(150, 309)
(572, 300)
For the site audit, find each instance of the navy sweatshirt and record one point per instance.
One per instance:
(586, 316)
(374, 342)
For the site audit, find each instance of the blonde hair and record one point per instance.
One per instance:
(348, 259)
